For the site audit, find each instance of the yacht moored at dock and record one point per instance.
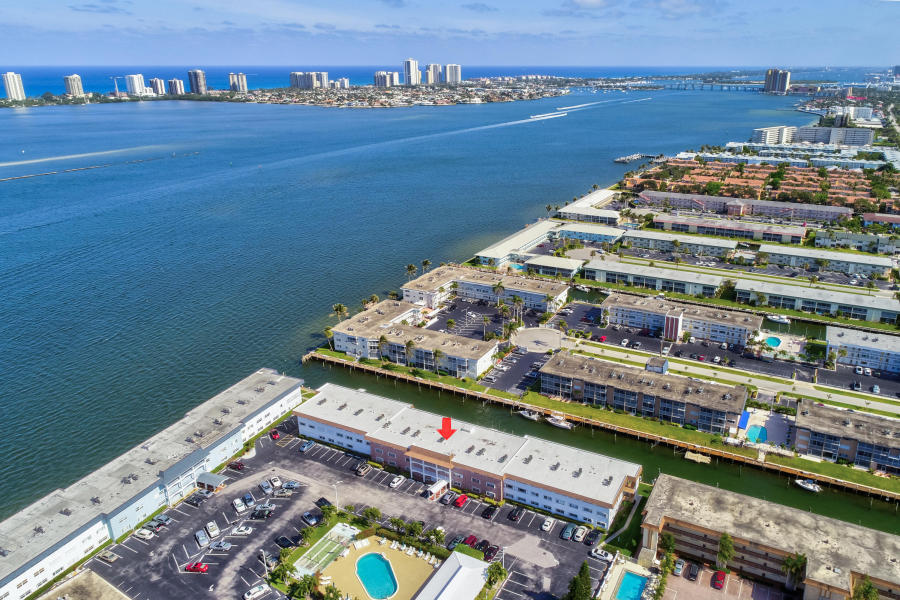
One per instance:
(809, 485)
(779, 319)
(558, 421)
(530, 415)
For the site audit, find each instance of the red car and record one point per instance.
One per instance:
(197, 567)
(274, 434)
(460, 501)
(718, 580)
(470, 541)
(236, 465)
(701, 358)
(602, 338)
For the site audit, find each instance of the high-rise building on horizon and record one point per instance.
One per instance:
(411, 73)
(342, 83)
(176, 87)
(237, 82)
(74, 87)
(158, 86)
(307, 80)
(433, 74)
(382, 79)
(777, 81)
(896, 70)
(13, 84)
(395, 78)
(452, 74)
(197, 80)
(135, 85)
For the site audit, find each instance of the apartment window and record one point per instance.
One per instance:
(546, 497)
(21, 583)
(521, 489)
(489, 485)
(392, 455)
(392, 463)
(534, 494)
(476, 490)
(38, 572)
(476, 480)
(378, 451)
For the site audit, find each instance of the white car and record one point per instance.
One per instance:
(867, 371)
(242, 530)
(144, 534)
(717, 359)
(548, 524)
(212, 529)
(679, 568)
(624, 342)
(602, 554)
(239, 505)
(579, 534)
(396, 481)
(257, 591)
(275, 481)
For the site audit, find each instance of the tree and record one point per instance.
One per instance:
(451, 323)
(580, 586)
(374, 298)
(563, 326)
(332, 593)
(813, 280)
(340, 311)
(329, 335)
(303, 587)
(495, 574)
(865, 590)
(726, 550)
(549, 209)
(411, 270)
(414, 529)
(371, 513)
(397, 524)
(794, 567)
(436, 536)
(382, 344)
(410, 345)
(667, 541)
(283, 569)
(425, 264)
(436, 355)
(350, 508)
(498, 290)
(328, 512)
(394, 295)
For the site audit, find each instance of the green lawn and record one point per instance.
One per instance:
(837, 471)
(463, 549)
(629, 540)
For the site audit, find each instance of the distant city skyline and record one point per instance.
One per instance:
(493, 32)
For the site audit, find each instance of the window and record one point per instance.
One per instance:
(378, 451)
(490, 485)
(38, 572)
(392, 455)
(476, 480)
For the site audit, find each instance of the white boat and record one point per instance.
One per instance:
(559, 422)
(530, 415)
(582, 288)
(809, 485)
(779, 319)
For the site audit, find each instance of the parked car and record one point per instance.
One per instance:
(636, 345)
(867, 372)
(567, 532)
(310, 519)
(290, 485)
(723, 346)
(221, 546)
(307, 446)
(212, 529)
(238, 505)
(470, 540)
(396, 481)
(205, 494)
(242, 530)
(282, 493)
(602, 338)
(448, 498)
(858, 370)
(261, 513)
(163, 519)
(322, 502)
(268, 558)
(197, 567)
(284, 541)
(517, 513)
(456, 541)
(248, 500)
(679, 568)
(257, 591)
(718, 580)
(579, 534)
(592, 537)
(460, 501)
(624, 342)
(491, 553)
(856, 386)
(693, 571)
(489, 512)
(275, 481)
(482, 546)
(363, 468)
(876, 389)
(108, 556)
(717, 359)
(202, 538)
(195, 500)
(236, 465)
(602, 554)
(274, 434)
(548, 524)
(266, 487)
(152, 526)
(144, 534)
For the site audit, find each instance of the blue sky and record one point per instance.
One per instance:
(488, 32)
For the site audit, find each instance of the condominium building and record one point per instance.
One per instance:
(892, 221)
(710, 407)
(573, 483)
(866, 242)
(176, 87)
(434, 287)
(850, 136)
(839, 555)
(452, 74)
(389, 330)
(674, 320)
(863, 439)
(73, 86)
(554, 266)
(341, 83)
(12, 82)
(785, 234)
(49, 536)
(585, 209)
(433, 74)
(589, 232)
(777, 81)
(795, 211)
(308, 80)
(827, 260)
(819, 301)
(197, 80)
(384, 78)
(686, 244)
(515, 247)
(774, 135)
(237, 82)
(158, 86)
(654, 278)
(135, 85)
(878, 351)
(411, 73)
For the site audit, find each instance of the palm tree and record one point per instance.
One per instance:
(484, 321)
(382, 342)
(374, 298)
(409, 350)
(451, 323)
(411, 270)
(794, 567)
(549, 208)
(518, 303)
(436, 355)
(397, 523)
(425, 264)
(498, 289)
(340, 311)
(329, 335)
(813, 280)
(283, 569)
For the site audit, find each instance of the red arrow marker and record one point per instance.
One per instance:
(445, 429)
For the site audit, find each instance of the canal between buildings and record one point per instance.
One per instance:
(847, 506)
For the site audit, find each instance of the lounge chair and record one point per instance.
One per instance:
(419, 554)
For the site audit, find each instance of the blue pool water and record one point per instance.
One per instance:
(632, 587)
(773, 342)
(757, 433)
(377, 576)
(516, 267)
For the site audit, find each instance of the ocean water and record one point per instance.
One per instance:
(39, 79)
(214, 238)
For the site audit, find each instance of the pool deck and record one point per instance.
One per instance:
(615, 575)
(410, 572)
(776, 425)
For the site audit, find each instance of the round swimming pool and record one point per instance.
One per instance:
(377, 576)
(757, 434)
(773, 342)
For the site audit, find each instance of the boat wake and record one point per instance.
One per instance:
(33, 161)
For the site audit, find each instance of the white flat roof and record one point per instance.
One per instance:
(592, 228)
(840, 336)
(683, 239)
(673, 274)
(555, 261)
(591, 200)
(461, 577)
(521, 238)
(814, 293)
(811, 253)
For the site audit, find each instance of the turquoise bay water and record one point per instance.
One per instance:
(377, 576)
(133, 292)
(631, 587)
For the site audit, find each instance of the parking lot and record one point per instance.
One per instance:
(681, 588)
(517, 372)
(468, 316)
(541, 563)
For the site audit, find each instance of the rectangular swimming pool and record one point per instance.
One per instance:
(631, 587)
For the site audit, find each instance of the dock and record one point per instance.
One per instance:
(697, 457)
